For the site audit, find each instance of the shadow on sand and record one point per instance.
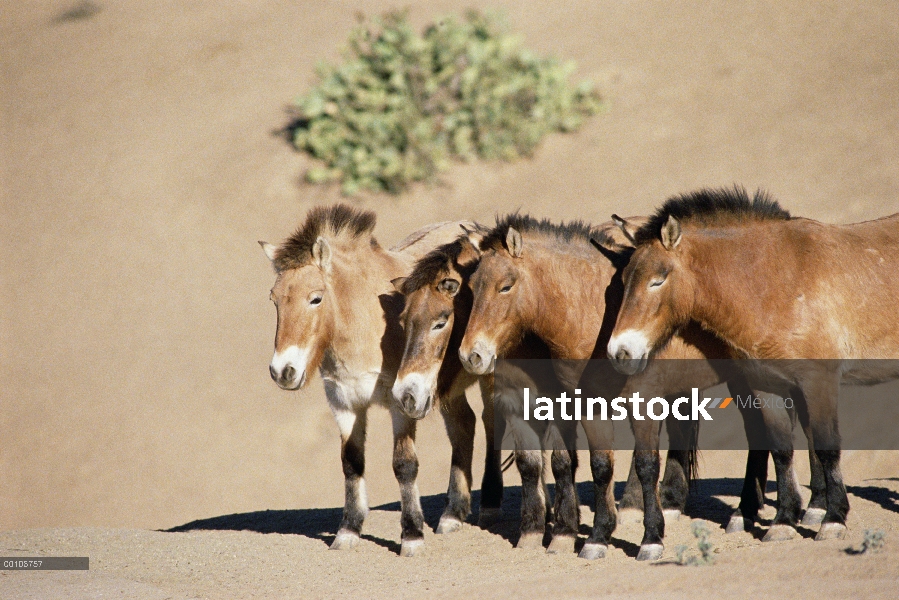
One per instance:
(322, 523)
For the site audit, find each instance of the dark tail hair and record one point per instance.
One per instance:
(508, 462)
(692, 465)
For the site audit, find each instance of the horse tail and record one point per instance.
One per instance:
(508, 462)
(692, 455)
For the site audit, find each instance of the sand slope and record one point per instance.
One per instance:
(139, 167)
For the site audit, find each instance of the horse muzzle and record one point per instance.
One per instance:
(629, 352)
(288, 368)
(480, 361)
(413, 396)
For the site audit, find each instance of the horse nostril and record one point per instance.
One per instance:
(408, 401)
(623, 355)
(272, 372)
(475, 360)
(289, 373)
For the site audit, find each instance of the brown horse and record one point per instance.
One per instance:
(772, 287)
(338, 313)
(423, 382)
(438, 304)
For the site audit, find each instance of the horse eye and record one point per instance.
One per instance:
(438, 326)
(659, 281)
(316, 300)
(505, 289)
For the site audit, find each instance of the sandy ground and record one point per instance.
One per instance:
(139, 167)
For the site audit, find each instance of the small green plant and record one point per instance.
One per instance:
(403, 104)
(701, 532)
(872, 542)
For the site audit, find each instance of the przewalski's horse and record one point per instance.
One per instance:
(424, 382)
(766, 427)
(338, 313)
(438, 303)
(772, 287)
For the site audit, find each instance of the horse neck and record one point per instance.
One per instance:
(732, 287)
(566, 301)
(365, 308)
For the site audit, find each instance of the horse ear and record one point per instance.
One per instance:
(321, 252)
(469, 252)
(629, 231)
(472, 236)
(513, 242)
(398, 283)
(449, 286)
(671, 233)
(269, 250)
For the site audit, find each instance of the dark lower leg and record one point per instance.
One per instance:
(648, 466)
(566, 511)
(633, 493)
(752, 497)
(492, 483)
(405, 467)
(675, 487)
(602, 463)
(352, 457)
(533, 499)
(460, 424)
(788, 499)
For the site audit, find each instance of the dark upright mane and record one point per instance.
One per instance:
(565, 232)
(437, 261)
(713, 206)
(432, 264)
(337, 220)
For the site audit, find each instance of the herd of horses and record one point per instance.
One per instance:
(715, 274)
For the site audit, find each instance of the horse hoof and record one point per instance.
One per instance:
(736, 524)
(650, 552)
(593, 551)
(345, 540)
(449, 525)
(530, 541)
(671, 514)
(561, 544)
(831, 531)
(412, 548)
(780, 533)
(489, 517)
(813, 517)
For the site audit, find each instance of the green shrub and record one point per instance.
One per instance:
(701, 532)
(403, 105)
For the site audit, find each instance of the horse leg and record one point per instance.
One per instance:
(566, 508)
(752, 496)
(646, 452)
(460, 427)
(405, 467)
(632, 499)
(491, 511)
(755, 481)
(680, 463)
(817, 504)
(789, 502)
(602, 466)
(352, 425)
(533, 497)
(821, 400)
